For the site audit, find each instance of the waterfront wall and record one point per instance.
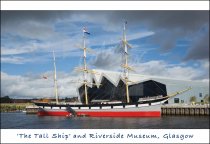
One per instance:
(202, 110)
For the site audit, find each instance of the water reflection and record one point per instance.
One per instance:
(23, 121)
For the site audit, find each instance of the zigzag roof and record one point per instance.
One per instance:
(114, 77)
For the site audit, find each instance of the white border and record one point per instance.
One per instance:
(104, 5)
(202, 136)
(67, 136)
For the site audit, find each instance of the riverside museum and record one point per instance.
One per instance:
(111, 86)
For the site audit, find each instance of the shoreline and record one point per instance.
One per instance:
(14, 107)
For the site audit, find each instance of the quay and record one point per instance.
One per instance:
(196, 110)
(32, 109)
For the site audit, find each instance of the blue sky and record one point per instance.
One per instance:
(166, 43)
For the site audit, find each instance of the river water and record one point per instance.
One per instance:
(21, 120)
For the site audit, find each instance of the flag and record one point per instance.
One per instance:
(44, 77)
(85, 31)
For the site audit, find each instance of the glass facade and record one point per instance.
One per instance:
(108, 91)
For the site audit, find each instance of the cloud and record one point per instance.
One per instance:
(200, 48)
(27, 32)
(203, 66)
(17, 50)
(139, 35)
(12, 18)
(186, 20)
(40, 32)
(31, 30)
(14, 60)
(34, 86)
(165, 39)
(107, 59)
(111, 57)
(181, 71)
(168, 26)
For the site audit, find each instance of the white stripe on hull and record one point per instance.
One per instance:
(143, 105)
(155, 106)
(106, 107)
(118, 107)
(95, 107)
(130, 106)
(46, 107)
(84, 108)
(57, 108)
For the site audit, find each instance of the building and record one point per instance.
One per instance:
(111, 86)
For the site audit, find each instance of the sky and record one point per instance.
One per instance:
(172, 44)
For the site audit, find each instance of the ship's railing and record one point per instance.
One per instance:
(151, 98)
(105, 102)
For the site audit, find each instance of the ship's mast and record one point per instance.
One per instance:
(126, 67)
(55, 80)
(85, 71)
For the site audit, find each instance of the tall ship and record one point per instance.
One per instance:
(125, 99)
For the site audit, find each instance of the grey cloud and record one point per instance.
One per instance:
(14, 17)
(200, 49)
(165, 39)
(185, 20)
(107, 59)
(169, 26)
